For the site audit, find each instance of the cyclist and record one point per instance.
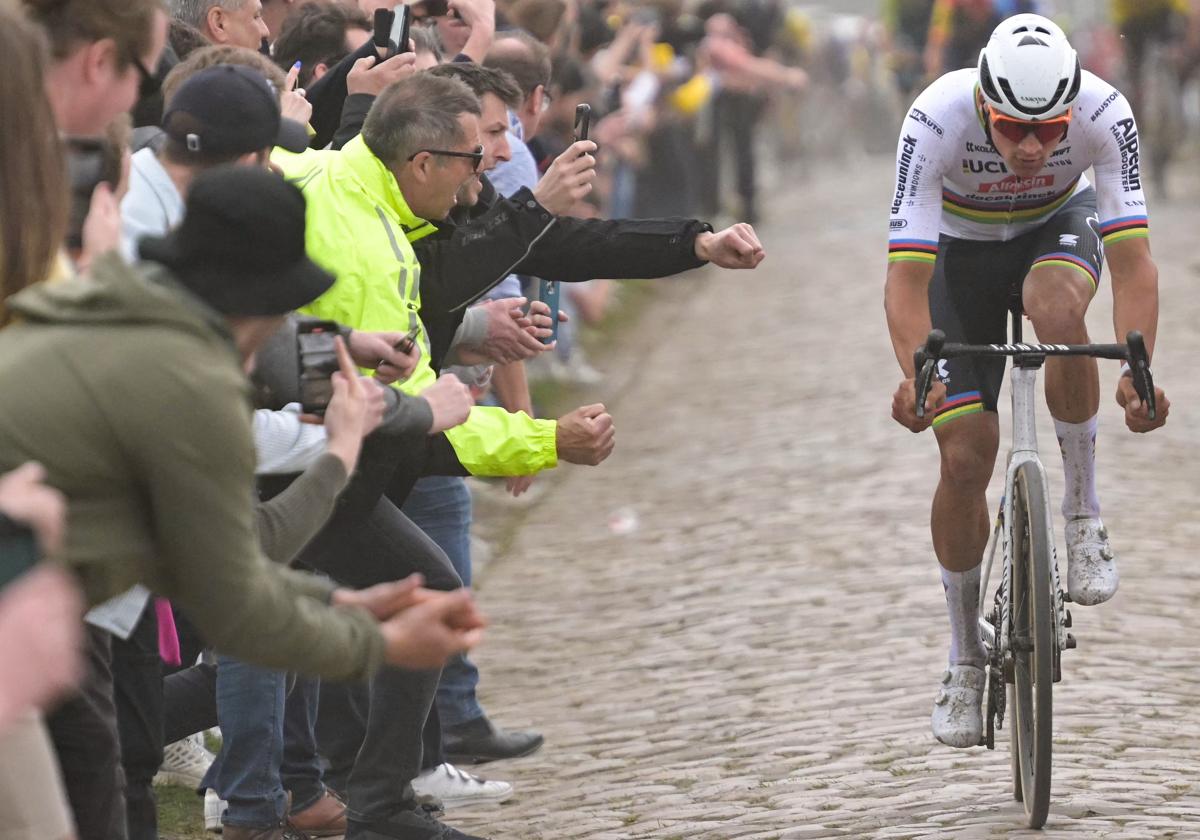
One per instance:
(958, 28)
(990, 201)
(1146, 22)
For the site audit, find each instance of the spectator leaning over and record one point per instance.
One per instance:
(441, 505)
(238, 23)
(319, 35)
(164, 418)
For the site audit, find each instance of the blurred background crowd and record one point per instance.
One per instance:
(173, 113)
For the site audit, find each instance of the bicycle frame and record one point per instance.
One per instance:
(1024, 450)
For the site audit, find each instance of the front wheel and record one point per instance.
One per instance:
(1033, 642)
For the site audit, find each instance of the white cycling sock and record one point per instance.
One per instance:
(962, 602)
(1078, 444)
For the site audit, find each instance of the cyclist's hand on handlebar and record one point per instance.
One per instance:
(1136, 417)
(904, 404)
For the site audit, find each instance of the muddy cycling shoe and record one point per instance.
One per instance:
(1091, 565)
(957, 716)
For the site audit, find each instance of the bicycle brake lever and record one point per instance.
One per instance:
(925, 361)
(1139, 367)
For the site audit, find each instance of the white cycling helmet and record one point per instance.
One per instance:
(1028, 70)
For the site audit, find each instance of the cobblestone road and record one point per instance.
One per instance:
(758, 659)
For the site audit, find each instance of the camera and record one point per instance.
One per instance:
(315, 342)
(90, 162)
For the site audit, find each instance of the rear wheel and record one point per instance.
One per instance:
(1033, 643)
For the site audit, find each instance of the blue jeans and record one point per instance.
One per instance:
(251, 767)
(441, 507)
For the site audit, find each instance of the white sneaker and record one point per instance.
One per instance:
(214, 809)
(1091, 565)
(185, 763)
(451, 786)
(957, 712)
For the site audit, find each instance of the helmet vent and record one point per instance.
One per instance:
(1030, 41)
(986, 82)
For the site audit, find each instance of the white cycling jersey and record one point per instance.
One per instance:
(950, 180)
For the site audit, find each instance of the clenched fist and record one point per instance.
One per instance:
(586, 435)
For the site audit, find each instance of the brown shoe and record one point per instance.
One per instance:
(324, 818)
(237, 832)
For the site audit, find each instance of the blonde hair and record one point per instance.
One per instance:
(207, 57)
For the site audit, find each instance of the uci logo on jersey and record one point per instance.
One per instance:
(978, 166)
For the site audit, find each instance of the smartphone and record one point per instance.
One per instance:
(18, 550)
(548, 293)
(382, 33)
(583, 121)
(399, 31)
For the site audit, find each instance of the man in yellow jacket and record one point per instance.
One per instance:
(367, 203)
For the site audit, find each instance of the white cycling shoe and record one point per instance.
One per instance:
(1091, 565)
(957, 711)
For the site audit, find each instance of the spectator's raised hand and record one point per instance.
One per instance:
(378, 350)
(41, 637)
(425, 635)
(292, 104)
(101, 227)
(586, 435)
(450, 401)
(569, 179)
(371, 76)
(25, 498)
(355, 410)
(736, 246)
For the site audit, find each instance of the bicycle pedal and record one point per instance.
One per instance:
(1070, 642)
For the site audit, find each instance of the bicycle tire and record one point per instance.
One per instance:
(1033, 641)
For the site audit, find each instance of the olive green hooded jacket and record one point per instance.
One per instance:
(130, 392)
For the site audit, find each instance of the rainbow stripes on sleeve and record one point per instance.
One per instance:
(1126, 227)
(912, 250)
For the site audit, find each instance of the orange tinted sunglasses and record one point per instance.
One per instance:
(1046, 131)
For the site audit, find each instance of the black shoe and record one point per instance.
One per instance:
(408, 824)
(477, 742)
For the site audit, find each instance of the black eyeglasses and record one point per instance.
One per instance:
(476, 155)
(148, 83)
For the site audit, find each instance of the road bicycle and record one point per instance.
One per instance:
(1025, 627)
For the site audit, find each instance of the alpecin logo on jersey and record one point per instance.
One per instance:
(906, 156)
(925, 120)
(1013, 184)
(1126, 134)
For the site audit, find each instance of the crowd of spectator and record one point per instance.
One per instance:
(267, 291)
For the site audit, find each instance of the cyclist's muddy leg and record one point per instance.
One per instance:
(1056, 301)
(960, 524)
